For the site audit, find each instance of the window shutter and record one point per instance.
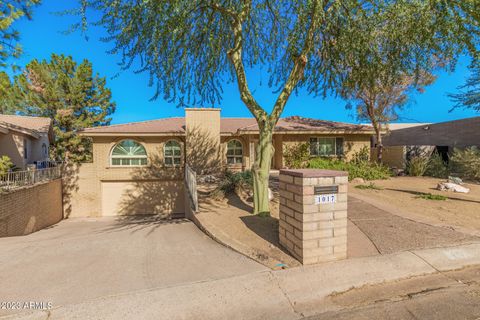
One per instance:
(339, 146)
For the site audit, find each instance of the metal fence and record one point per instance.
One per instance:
(17, 179)
(47, 164)
(191, 183)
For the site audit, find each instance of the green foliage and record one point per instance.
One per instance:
(365, 170)
(233, 182)
(5, 89)
(370, 186)
(189, 48)
(361, 156)
(466, 162)
(5, 164)
(436, 167)
(429, 196)
(11, 11)
(469, 96)
(70, 94)
(297, 155)
(184, 45)
(417, 166)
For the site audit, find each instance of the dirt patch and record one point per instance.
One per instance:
(400, 195)
(230, 222)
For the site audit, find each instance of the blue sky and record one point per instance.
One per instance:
(43, 36)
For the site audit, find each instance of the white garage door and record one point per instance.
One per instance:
(130, 198)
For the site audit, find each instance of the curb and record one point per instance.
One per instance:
(284, 294)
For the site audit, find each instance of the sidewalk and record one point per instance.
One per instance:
(284, 294)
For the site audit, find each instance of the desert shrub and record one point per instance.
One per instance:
(365, 169)
(417, 166)
(361, 156)
(370, 186)
(436, 167)
(5, 164)
(233, 182)
(429, 196)
(296, 156)
(466, 162)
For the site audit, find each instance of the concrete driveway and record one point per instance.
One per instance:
(78, 260)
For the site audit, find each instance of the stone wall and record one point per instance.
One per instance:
(30, 209)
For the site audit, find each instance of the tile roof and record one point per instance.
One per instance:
(166, 125)
(30, 125)
(229, 126)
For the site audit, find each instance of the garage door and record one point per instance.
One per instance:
(151, 197)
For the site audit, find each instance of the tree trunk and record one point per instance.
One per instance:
(379, 144)
(261, 172)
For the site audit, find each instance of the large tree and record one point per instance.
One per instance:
(380, 99)
(191, 47)
(70, 94)
(10, 11)
(5, 89)
(401, 56)
(469, 95)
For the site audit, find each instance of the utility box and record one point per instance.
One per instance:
(313, 214)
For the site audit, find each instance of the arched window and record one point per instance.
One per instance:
(234, 152)
(172, 153)
(129, 153)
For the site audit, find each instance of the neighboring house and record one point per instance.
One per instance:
(25, 140)
(443, 137)
(138, 167)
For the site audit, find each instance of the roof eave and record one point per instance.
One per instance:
(369, 132)
(130, 134)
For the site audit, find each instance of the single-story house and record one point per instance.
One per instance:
(138, 167)
(25, 140)
(442, 137)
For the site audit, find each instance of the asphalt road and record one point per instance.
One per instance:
(449, 295)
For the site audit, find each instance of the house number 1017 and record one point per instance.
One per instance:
(325, 198)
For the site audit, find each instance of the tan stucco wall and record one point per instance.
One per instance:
(352, 143)
(36, 152)
(158, 189)
(203, 151)
(394, 157)
(30, 209)
(11, 145)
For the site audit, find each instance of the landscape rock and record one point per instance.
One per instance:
(448, 186)
(358, 180)
(270, 194)
(455, 180)
(208, 179)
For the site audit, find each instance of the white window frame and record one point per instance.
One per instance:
(317, 138)
(129, 157)
(173, 156)
(235, 156)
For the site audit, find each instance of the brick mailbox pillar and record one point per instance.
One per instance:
(313, 214)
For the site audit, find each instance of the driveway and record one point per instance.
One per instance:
(83, 259)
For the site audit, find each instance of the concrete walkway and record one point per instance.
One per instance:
(80, 260)
(284, 294)
(392, 233)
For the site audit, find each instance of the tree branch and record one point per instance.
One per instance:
(235, 56)
(298, 69)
